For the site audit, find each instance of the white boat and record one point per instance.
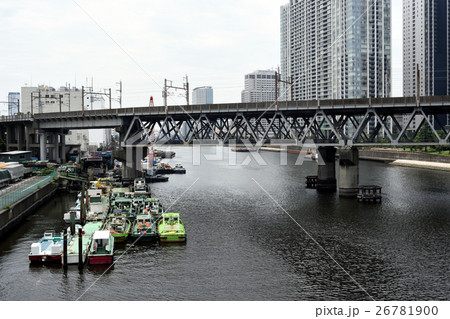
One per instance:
(48, 249)
(75, 210)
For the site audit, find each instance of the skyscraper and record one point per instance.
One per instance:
(259, 86)
(203, 95)
(337, 48)
(426, 45)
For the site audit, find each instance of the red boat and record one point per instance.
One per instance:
(102, 248)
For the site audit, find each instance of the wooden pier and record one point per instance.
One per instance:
(369, 193)
(311, 181)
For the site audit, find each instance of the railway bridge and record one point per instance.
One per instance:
(344, 123)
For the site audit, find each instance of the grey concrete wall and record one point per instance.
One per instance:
(10, 218)
(392, 155)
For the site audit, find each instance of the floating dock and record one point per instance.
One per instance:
(369, 193)
(311, 181)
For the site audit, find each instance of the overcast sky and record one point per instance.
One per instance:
(142, 42)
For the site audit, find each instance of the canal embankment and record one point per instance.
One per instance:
(19, 203)
(389, 156)
(406, 158)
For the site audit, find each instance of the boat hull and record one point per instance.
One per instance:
(172, 238)
(146, 237)
(45, 258)
(164, 171)
(120, 238)
(101, 260)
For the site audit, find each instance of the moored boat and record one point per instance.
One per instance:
(102, 248)
(144, 228)
(119, 227)
(179, 169)
(153, 207)
(171, 229)
(156, 178)
(48, 249)
(76, 212)
(163, 168)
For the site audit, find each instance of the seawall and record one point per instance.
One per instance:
(388, 155)
(10, 218)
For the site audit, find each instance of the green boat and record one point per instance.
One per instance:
(153, 207)
(144, 228)
(141, 188)
(119, 227)
(171, 229)
(119, 192)
(125, 207)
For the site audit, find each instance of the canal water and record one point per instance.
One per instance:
(243, 242)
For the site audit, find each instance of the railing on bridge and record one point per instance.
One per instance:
(337, 104)
(16, 118)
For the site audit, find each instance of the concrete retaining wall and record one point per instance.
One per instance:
(392, 155)
(10, 218)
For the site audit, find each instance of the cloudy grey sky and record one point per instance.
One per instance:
(142, 42)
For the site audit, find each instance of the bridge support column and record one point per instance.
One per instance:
(43, 146)
(131, 161)
(348, 172)
(63, 148)
(8, 137)
(19, 136)
(56, 150)
(27, 137)
(326, 170)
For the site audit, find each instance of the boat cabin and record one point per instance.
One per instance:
(143, 220)
(139, 184)
(95, 195)
(171, 218)
(123, 203)
(101, 242)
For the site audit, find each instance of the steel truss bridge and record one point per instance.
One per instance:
(347, 122)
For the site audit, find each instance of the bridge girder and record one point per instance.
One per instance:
(373, 127)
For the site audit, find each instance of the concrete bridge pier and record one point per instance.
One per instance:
(326, 170)
(43, 146)
(348, 172)
(131, 161)
(56, 146)
(62, 148)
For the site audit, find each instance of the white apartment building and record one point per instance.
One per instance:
(259, 87)
(426, 47)
(336, 49)
(45, 99)
(426, 44)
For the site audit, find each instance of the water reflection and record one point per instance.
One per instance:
(242, 246)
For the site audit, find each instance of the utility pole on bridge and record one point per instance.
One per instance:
(289, 82)
(167, 86)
